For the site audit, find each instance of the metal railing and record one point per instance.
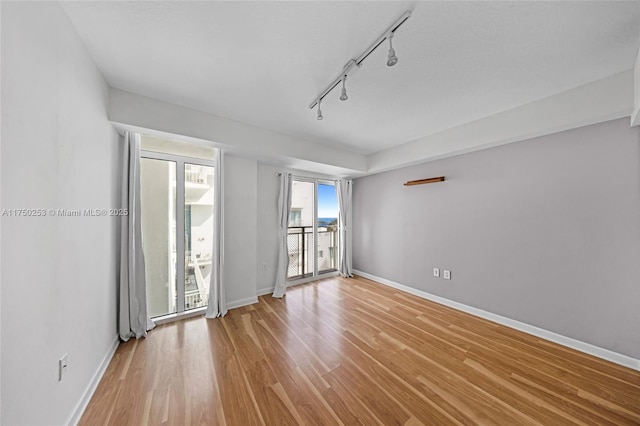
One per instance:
(301, 250)
(193, 299)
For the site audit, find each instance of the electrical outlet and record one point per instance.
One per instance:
(447, 274)
(264, 266)
(62, 366)
(436, 272)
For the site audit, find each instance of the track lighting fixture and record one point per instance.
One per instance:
(354, 64)
(343, 96)
(392, 59)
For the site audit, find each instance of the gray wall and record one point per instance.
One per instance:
(240, 222)
(545, 231)
(58, 273)
(268, 187)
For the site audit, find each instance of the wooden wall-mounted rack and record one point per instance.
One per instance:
(423, 181)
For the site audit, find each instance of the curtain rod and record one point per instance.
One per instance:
(308, 177)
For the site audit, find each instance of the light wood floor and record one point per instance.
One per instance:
(355, 352)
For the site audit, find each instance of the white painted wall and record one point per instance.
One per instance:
(59, 273)
(240, 228)
(130, 109)
(596, 102)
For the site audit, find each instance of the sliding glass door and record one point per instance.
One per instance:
(198, 234)
(158, 207)
(327, 227)
(177, 194)
(313, 229)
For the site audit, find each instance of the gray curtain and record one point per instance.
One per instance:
(217, 303)
(284, 206)
(343, 188)
(132, 309)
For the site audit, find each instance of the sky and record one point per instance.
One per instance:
(327, 201)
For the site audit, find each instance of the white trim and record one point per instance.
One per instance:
(201, 311)
(164, 319)
(321, 276)
(78, 411)
(180, 162)
(242, 302)
(155, 155)
(265, 291)
(578, 345)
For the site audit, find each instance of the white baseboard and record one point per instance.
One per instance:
(93, 385)
(293, 283)
(75, 416)
(242, 302)
(264, 291)
(578, 345)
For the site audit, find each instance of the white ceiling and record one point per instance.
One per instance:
(262, 63)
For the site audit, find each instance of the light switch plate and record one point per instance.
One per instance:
(436, 272)
(62, 366)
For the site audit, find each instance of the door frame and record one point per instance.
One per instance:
(316, 274)
(180, 162)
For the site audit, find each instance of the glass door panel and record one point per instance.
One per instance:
(301, 230)
(158, 205)
(327, 223)
(198, 234)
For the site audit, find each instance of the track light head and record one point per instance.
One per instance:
(343, 96)
(320, 117)
(392, 59)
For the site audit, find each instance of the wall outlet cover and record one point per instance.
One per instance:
(447, 274)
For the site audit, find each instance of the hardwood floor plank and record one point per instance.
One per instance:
(373, 396)
(351, 351)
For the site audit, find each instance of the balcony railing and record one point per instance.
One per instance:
(197, 174)
(301, 250)
(194, 299)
